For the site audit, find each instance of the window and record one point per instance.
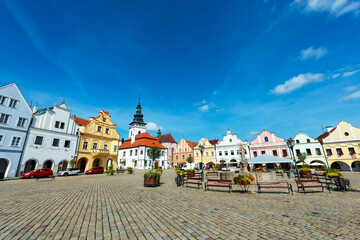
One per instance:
(3, 100)
(183, 156)
(212, 153)
(21, 122)
(351, 150)
(266, 139)
(230, 140)
(38, 140)
(13, 103)
(62, 125)
(57, 124)
(99, 129)
(179, 149)
(262, 152)
(308, 152)
(255, 153)
(318, 152)
(67, 143)
(297, 151)
(232, 152)
(177, 157)
(220, 153)
(274, 152)
(4, 118)
(130, 152)
(197, 154)
(115, 148)
(339, 151)
(346, 133)
(15, 142)
(145, 163)
(328, 152)
(189, 155)
(105, 147)
(124, 154)
(297, 141)
(135, 163)
(238, 152)
(162, 153)
(56, 142)
(284, 151)
(226, 153)
(148, 151)
(104, 119)
(85, 145)
(136, 152)
(308, 140)
(185, 149)
(141, 152)
(207, 154)
(107, 131)
(1, 139)
(95, 146)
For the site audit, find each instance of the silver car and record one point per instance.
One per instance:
(69, 171)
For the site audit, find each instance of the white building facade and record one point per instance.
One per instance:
(52, 140)
(311, 147)
(15, 118)
(134, 152)
(228, 149)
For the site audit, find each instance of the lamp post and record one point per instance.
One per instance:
(291, 143)
(201, 148)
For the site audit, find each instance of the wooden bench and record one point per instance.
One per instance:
(118, 171)
(52, 177)
(192, 180)
(313, 183)
(275, 184)
(218, 183)
(212, 174)
(323, 179)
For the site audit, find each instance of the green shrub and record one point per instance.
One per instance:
(150, 174)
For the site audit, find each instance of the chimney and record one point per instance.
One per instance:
(35, 108)
(329, 128)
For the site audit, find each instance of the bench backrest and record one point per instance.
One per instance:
(307, 181)
(190, 178)
(219, 180)
(272, 182)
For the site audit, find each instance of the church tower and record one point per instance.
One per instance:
(137, 125)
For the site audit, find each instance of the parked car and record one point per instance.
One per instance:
(42, 172)
(95, 170)
(69, 171)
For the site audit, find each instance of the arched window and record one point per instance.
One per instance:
(266, 139)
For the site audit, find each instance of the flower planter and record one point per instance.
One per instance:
(305, 174)
(151, 181)
(191, 174)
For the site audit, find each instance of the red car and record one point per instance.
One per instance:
(95, 170)
(42, 172)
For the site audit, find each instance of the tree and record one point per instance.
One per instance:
(190, 159)
(301, 157)
(154, 153)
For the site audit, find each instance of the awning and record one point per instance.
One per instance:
(268, 159)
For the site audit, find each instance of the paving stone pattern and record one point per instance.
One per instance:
(119, 207)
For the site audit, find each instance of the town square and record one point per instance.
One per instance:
(158, 119)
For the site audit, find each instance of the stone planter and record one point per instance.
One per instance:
(151, 181)
(227, 175)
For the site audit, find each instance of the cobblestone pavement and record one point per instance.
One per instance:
(119, 207)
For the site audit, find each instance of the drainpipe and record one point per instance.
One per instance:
(322, 146)
(23, 148)
(76, 148)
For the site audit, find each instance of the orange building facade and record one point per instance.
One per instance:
(183, 150)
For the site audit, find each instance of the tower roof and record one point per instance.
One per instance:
(138, 116)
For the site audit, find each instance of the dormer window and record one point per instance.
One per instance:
(99, 129)
(104, 119)
(346, 133)
(266, 139)
(230, 140)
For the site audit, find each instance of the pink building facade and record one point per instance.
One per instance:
(268, 143)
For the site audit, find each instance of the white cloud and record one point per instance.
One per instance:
(297, 82)
(204, 108)
(151, 126)
(336, 75)
(215, 92)
(200, 103)
(352, 96)
(335, 8)
(348, 74)
(350, 88)
(313, 53)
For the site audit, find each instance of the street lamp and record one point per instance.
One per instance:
(291, 143)
(201, 148)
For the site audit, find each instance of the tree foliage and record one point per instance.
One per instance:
(301, 157)
(154, 153)
(190, 159)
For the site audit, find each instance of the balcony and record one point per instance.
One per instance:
(99, 151)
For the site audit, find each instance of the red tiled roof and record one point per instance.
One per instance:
(166, 138)
(325, 135)
(81, 121)
(192, 144)
(213, 142)
(142, 139)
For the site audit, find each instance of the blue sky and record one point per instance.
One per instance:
(201, 67)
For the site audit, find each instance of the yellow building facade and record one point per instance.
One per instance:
(98, 142)
(209, 151)
(342, 146)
